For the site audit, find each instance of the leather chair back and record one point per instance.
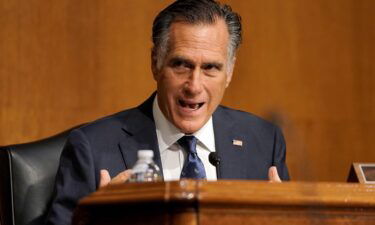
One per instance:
(27, 177)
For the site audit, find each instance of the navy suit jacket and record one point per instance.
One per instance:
(112, 143)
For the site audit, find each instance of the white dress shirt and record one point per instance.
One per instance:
(173, 155)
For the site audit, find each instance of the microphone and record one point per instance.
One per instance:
(214, 159)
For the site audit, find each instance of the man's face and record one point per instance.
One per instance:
(194, 74)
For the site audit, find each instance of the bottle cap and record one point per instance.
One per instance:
(149, 154)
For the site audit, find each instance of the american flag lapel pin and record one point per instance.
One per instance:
(237, 142)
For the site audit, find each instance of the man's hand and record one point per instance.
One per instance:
(105, 178)
(273, 176)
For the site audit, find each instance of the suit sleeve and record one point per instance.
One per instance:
(279, 155)
(75, 178)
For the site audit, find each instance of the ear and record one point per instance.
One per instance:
(230, 72)
(154, 65)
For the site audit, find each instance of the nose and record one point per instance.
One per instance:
(193, 85)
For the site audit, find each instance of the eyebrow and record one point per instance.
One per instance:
(219, 66)
(181, 59)
(191, 63)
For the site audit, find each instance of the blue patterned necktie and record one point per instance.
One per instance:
(193, 166)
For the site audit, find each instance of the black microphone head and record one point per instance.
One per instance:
(214, 158)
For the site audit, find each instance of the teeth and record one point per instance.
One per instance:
(193, 106)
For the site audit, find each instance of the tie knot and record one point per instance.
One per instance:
(189, 143)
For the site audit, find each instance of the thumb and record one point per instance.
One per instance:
(105, 178)
(273, 175)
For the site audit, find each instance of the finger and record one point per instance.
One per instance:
(121, 177)
(105, 178)
(273, 175)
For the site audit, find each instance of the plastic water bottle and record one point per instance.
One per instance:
(145, 169)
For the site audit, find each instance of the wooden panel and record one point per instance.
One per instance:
(284, 217)
(228, 202)
(67, 62)
(307, 65)
(236, 194)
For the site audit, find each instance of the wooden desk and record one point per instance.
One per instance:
(189, 202)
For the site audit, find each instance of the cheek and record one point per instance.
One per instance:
(164, 82)
(216, 91)
(168, 77)
(168, 87)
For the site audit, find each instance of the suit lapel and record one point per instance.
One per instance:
(140, 133)
(231, 155)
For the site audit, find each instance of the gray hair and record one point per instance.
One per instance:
(193, 12)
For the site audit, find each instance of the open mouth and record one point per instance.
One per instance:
(190, 105)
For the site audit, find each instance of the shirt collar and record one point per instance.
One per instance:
(168, 134)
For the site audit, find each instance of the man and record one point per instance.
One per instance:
(195, 43)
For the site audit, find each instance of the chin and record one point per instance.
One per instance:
(188, 131)
(190, 127)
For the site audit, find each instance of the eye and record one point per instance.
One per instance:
(209, 67)
(212, 67)
(177, 63)
(181, 65)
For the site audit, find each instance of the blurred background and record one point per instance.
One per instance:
(308, 66)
